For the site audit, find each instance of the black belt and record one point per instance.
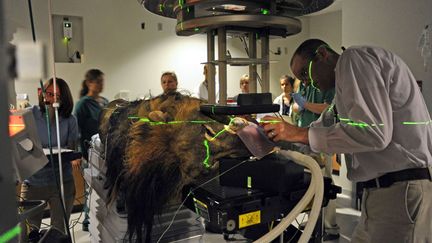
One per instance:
(402, 175)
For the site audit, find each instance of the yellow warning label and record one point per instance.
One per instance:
(249, 219)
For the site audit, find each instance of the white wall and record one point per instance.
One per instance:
(279, 64)
(131, 58)
(393, 24)
(327, 27)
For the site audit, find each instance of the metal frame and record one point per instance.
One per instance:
(223, 60)
(280, 25)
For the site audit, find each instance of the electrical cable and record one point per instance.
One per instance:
(67, 50)
(31, 20)
(292, 238)
(192, 190)
(243, 40)
(77, 199)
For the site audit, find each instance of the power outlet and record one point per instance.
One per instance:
(67, 30)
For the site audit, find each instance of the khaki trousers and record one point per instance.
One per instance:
(399, 213)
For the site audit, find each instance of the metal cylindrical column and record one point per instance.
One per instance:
(265, 67)
(222, 65)
(252, 67)
(211, 68)
(7, 179)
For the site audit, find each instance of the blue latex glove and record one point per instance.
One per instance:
(299, 99)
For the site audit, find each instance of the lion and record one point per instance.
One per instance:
(155, 147)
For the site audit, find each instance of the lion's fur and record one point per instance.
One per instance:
(152, 162)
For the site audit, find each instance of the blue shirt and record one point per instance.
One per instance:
(68, 135)
(314, 95)
(87, 112)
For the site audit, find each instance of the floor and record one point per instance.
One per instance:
(347, 218)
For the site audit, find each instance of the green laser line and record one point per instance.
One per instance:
(363, 124)
(201, 122)
(344, 119)
(417, 123)
(206, 145)
(379, 125)
(154, 123)
(231, 120)
(271, 121)
(10, 234)
(144, 120)
(265, 11)
(358, 124)
(205, 162)
(330, 108)
(218, 134)
(310, 65)
(310, 75)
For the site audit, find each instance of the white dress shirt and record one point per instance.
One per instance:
(280, 101)
(202, 91)
(384, 121)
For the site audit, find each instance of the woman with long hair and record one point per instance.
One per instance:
(87, 111)
(89, 106)
(42, 185)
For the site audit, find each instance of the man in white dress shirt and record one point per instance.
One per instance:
(202, 91)
(384, 123)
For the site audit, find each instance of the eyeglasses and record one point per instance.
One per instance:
(51, 94)
(306, 71)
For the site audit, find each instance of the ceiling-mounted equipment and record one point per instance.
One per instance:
(197, 16)
(255, 19)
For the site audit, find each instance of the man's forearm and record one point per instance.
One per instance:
(302, 135)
